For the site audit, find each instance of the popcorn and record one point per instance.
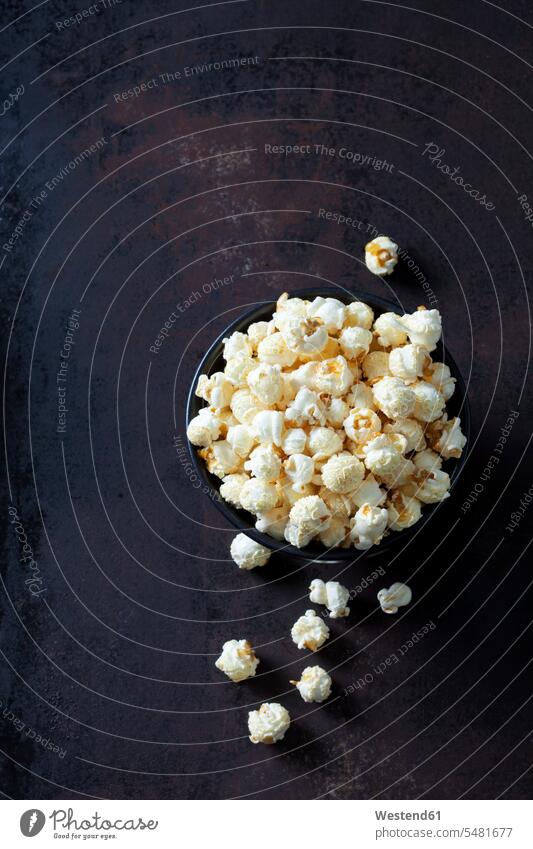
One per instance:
(355, 342)
(247, 553)
(204, 428)
(269, 724)
(314, 685)
(267, 426)
(429, 487)
(293, 441)
(411, 429)
(300, 469)
(220, 458)
(241, 439)
(273, 349)
(245, 406)
(427, 460)
(238, 368)
(266, 383)
(235, 345)
(336, 410)
(369, 492)
(323, 442)
(404, 511)
(368, 526)
(258, 496)
(452, 439)
(307, 518)
(335, 534)
(343, 473)
(398, 595)
(332, 595)
(258, 331)
(305, 335)
(441, 377)
(273, 522)
(408, 362)
(360, 426)
(358, 314)
(332, 376)
(424, 327)
(390, 330)
(394, 398)
(383, 455)
(329, 310)
(264, 463)
(231, 486)
(401, 475)
(381, 255)
(361, 396)
(309, 631)
(429, 403)
(376, 365)
(306, 409)
(238, 660)
(340, 506)
(216, 390)
(288, 308)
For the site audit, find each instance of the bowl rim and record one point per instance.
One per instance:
(238, 517)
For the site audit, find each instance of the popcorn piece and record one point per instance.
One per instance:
(323, 442)
(238, 368)
(216, 390)
(383, 455)
(258, 496)
(404, 511)
(381, 255)
(332, 595)
(343, 473)
(231, 486)
(294, 441)
(309, 631)
(266, 383)
(247, 553)
(452, 440)
(394, 398)
(369, 493)
(220, 458)
(245, 406)
(307, 518)
(408, 362)
(390, 330)
(411, 429)
(238, 660)
(305, 335)
(314, 685)
(376, 365)
(268, 426)
(272, 349)
(429, 403)
(329, 310)
(361, 396)
(358, 314)
(258, 331)
(336, 410)
(335, 535)
(306, 409)
(427, 460)
(204, 428)
(398, 595)
(273, 522)
(429, 487)
(424, 327)
(241, 439)
(360, 426)
(289, 308)
(441, 377)
(340, 506)
(355, 342)
(300, 469)
(401, 475)
(368, 526)
(237, 343)
(269, 724)
(332, 377)
(264, 463)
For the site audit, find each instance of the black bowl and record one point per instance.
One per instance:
(213, 361)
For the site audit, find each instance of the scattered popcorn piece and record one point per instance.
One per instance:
(247, 553)
(269, 724)
(381, 255)
(358, 314)
(273, 522)
(355, 342)
(343, 473)
(394, 398)
(314, 685)
(452, 440)
(258, 496)
(220, 458)
(429, 487)
(204, 428)
(390, 330)
(424, 327)
(440, 376)
(411, 429)
(217, 390)
(329, 310)
(258, 331)
(429, 403)
(305, 335)
(368, 526)
(273, 349)
(408, 362)
(231, 487)
(309, 631)
(307, 518)
(265, 382)
(404, 511)
(235, 345)
(369, 493)
(238, 660)
(332, 595)
(398, 595)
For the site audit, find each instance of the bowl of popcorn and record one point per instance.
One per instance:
(329, 422)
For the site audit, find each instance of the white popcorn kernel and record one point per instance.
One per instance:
(355, 342)
(299, 468)
(231, 486)
(394, 398)
(408, 362)
(368, 526)
(266, 383)
(332, 595)
(273, 522)
(305, 335)
(245, 406)
(294, 441)
(429, 403)
(333, 377)
(258, 331)
(306, 409)
(429, 487)
(440, 376)
(340, 506)
(404, 511)
(238, 660)
(264, 463)
(358, 314)
(343, 473)
(269, 724)
(452, 439)
(336, 410)
(247, 553)
(314, 685)
(238, 368)
(204, 428)
(361, 397)
(268, 425)
(402, 475)
(382, 455)
(398, 595)
(308, 517)
(330, 310)
(369, 492)
(381, 255)
(272, 349)
(424, 327)
(259, 496)
(309, 631)
(335, 535)
(375, 365)
(241, 439)
(220, 458)
(428, 460)
(361, 425)
(235, 345)
(390, 330)
(287, 308)
(323, 442)
(216, 390)
(411, 429)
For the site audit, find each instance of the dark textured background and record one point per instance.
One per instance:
(113, 661)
